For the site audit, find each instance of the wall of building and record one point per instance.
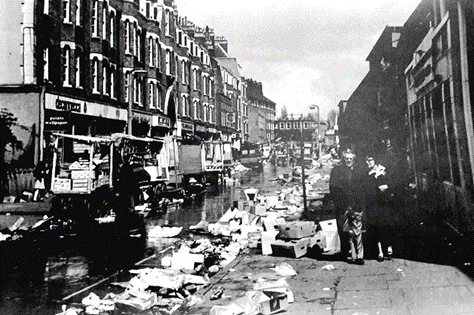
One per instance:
(10, 43)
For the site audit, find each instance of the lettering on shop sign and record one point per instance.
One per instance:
(188, 127)
(56, 120)
(70, 106)
(200, 128)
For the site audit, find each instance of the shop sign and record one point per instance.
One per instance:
(200, 128)
(212, 130)
(56, 120)
(187, 126)
(160, 121)
(69, 104)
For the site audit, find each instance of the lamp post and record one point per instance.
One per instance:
(303, 180)
(312, 107)
(130, 98)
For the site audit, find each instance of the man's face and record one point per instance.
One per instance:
(370, 162)
(348, 160)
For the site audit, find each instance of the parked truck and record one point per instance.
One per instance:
(214, 161)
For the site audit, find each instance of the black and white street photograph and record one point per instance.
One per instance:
(184, 157)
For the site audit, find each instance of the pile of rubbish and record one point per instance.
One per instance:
(267, 296)
(171, 285)
(239, 168)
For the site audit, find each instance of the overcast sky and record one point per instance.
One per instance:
(310, 52)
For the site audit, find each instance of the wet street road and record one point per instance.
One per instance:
(36, 287)
(39, 286)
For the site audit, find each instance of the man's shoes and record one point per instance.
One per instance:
(380, 258)
(359, 261)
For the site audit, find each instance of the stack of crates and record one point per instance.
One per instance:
(294, 238)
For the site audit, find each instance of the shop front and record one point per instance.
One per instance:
(80, 117)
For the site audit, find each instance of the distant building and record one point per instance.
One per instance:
(261, 114)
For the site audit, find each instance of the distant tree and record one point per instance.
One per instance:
(331, 118)
(7, 120)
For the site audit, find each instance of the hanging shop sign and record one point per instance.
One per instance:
(56, 120)
(159, 120)
(184, 127)
(200, 128)
(72, 105)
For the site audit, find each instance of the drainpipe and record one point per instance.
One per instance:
(465, 84)
(41, 122)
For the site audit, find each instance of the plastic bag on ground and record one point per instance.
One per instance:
(285, 270)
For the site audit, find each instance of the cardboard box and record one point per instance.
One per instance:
(296, 230)
(271, 302)
(292, 248)
(268, 237)
(318, 239)
(329, 231)
(260, 209)
(62, 184)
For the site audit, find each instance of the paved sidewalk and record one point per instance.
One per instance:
(401, 287)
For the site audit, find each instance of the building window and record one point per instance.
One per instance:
(112, 82)
(78, 12)
(104, 23)
(147, 12)
(151, 51)
(183, 72)
(127, 37)
(66, 11)
(180, 38)
(112, 25)
(151, 95)
(95, 76)
(158, 98)
(104, 80)
(195, 79)
(288, 125)
(95, 19)
(168, 62)
(155, 13)
(46, 64)
(78, 70)
(66, 66)
(139, 48)
(46, 7)
(127, 86)
(195, 107)
(305, 125)
(158, 52)
(133, 37)
(135, 89)
(167, 23)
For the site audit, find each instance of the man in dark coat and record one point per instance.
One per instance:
(347, 193)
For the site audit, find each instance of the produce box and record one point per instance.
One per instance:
(318, 239)
(292, 248)
(271, 302)
(296, 230)
(61, 184)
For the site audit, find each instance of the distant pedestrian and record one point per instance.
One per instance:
(346, 191)
(378, 212)
(42, 175)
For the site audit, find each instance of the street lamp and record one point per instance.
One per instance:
(303, 175)
(312, 107)
(130, 98)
